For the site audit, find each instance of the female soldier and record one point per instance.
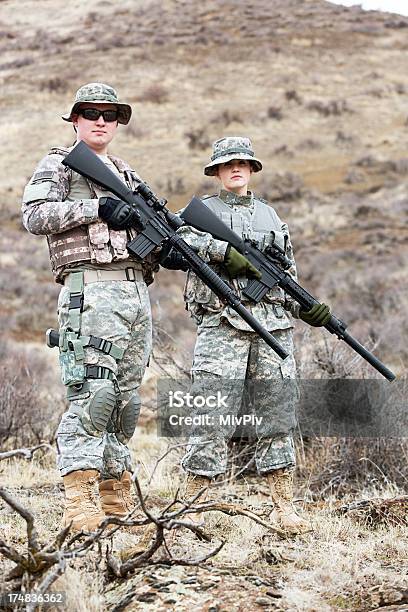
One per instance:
(227, 349)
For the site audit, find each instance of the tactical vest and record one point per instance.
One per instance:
(95, 242)
(263, 226)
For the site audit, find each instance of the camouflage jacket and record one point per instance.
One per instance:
(63, 205)
(254, 218)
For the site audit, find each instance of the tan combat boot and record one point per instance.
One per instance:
(116, 498)
(81, 501)
(194, 484)
(284, 513)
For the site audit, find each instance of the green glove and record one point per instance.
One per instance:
(318, 315)
(238, 265)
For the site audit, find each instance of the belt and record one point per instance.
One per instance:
(94, 276)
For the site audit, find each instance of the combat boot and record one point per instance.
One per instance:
(81, 501)
(116, 500)
(284, 513)
(194, 484)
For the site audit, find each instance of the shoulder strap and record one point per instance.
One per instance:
(59, 151)
(131, 177)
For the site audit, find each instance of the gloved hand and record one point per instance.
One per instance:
(238, 265)
(118, 215)
(173, 260)
(318, 315)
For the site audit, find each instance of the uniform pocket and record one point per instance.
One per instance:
(206, 368)
(118, 242)
(98, 233)
(195, 291)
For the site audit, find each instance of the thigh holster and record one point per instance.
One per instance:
(74, 370)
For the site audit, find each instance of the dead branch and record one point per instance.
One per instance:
(376, 511)
(32, 535)
(44, 562)
(25, 453)
(196, 529)
(191, 562)
(364, 503)
(47, 581)
(10, 553)
(387, 597)
(233, 510)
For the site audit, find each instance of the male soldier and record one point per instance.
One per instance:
(226, 348)
(103, 311)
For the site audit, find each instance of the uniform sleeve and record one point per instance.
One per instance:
(290, 304)
(45, 209)
(207, 247)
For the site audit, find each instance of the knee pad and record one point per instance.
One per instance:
(94, 405)
(127, 419)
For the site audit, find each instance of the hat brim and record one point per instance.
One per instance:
(211, 168)
(124, 110)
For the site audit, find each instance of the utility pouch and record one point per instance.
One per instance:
(71, 359)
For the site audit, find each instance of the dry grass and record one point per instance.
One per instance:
(334, 568)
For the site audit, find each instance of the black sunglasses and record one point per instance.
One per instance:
(92, 114)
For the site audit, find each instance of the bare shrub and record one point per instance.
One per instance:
(155, 93)
(28, 298)
(29, 409)
(327, 109)
(292, 95)
(226, 117)
(56, 84)
(175, 186)
(281, 186)
(345, 466)
(20, 63)
(198, 139)
(135, 131)
(310, 144)
(30, 306)
(283, 150)
(275, 112)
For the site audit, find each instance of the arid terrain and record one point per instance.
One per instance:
(322, 91)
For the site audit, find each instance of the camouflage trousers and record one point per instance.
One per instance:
(118, 311)
(229, 358)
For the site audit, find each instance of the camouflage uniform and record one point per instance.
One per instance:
(228, 349)
(105, 344)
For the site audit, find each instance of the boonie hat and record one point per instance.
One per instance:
(231, 147)
(99, 93)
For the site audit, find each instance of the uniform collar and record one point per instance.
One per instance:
(229, 197)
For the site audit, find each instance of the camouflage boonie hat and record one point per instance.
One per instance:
(231, 147)
(99, 93)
